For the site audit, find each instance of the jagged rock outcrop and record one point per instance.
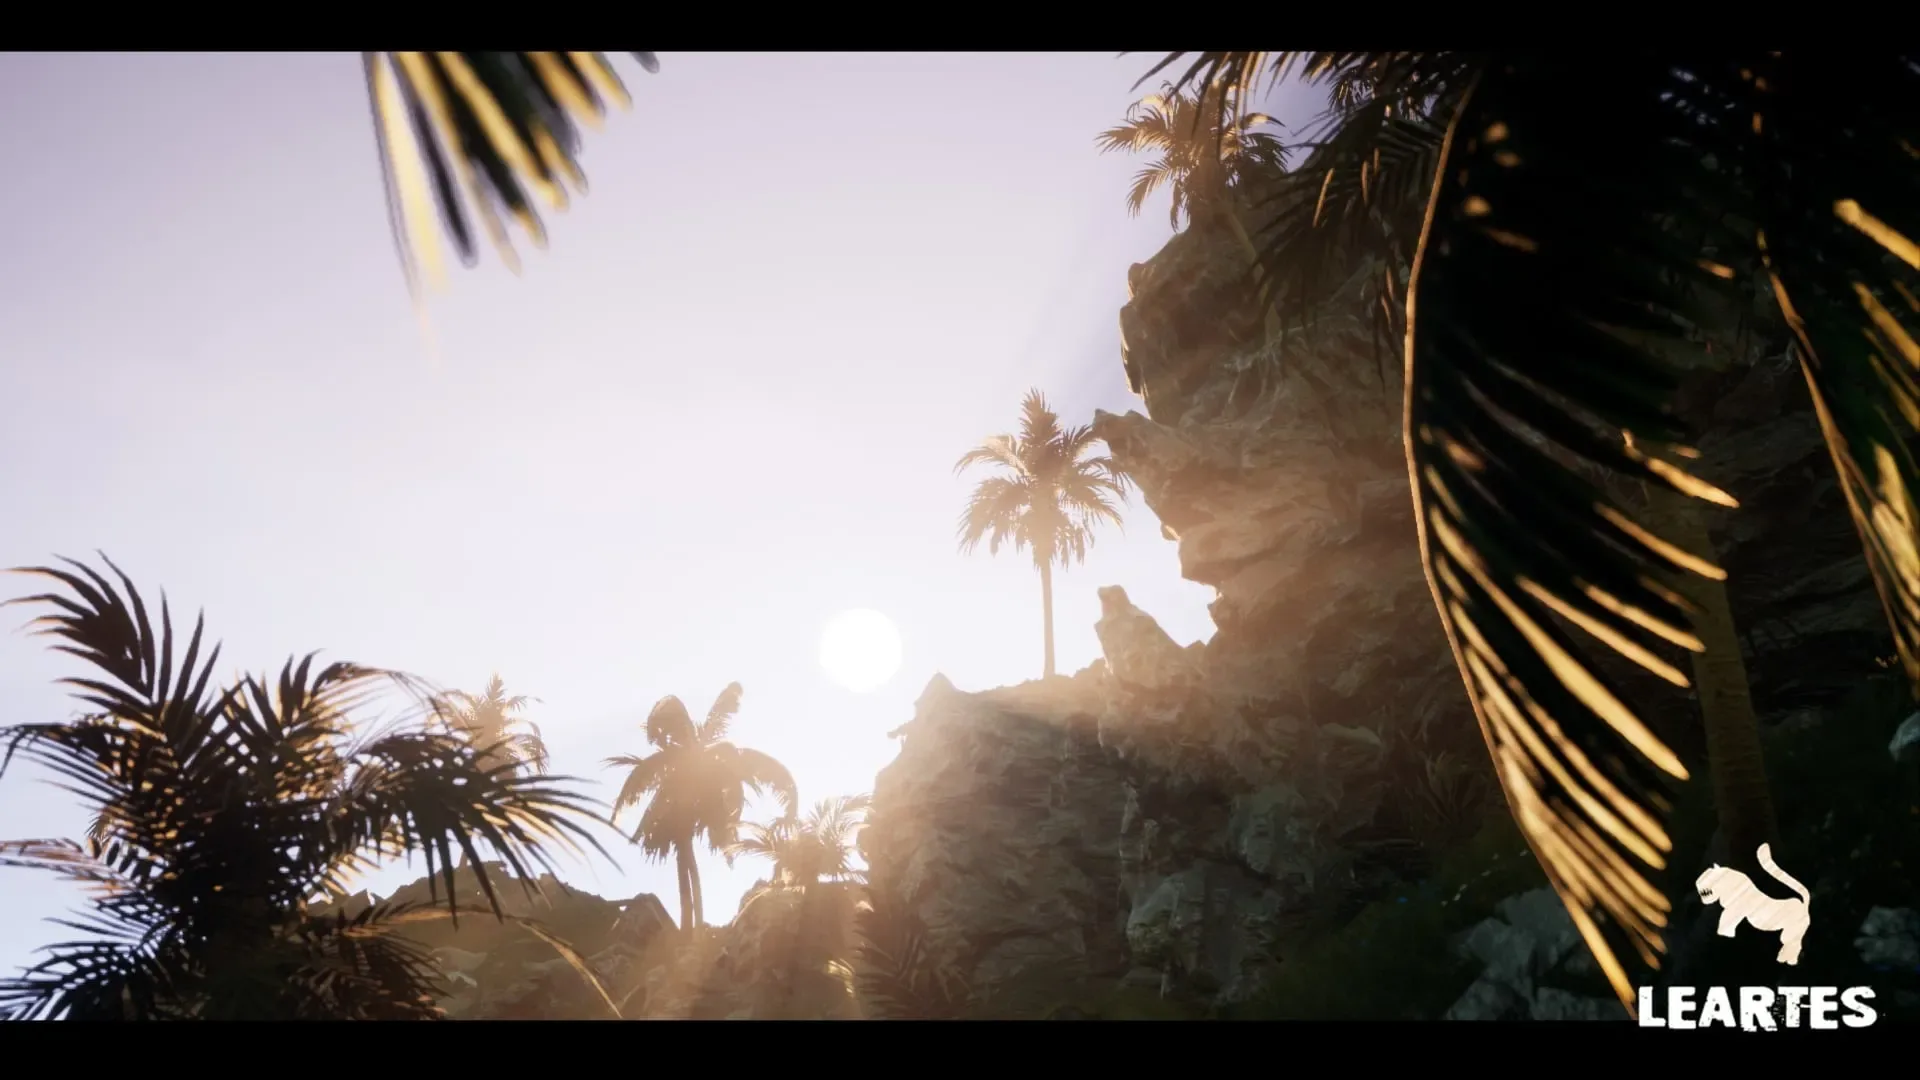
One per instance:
(997, 825)
(1203, 803)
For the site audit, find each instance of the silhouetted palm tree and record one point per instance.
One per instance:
(806, 851)
(471, 133)
(1048, 501)
(221, 813)
(695, 783)
(1205, 146)
(1576, 237)
(493, 723)
(807, 903)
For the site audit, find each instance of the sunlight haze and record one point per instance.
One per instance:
(721, 411)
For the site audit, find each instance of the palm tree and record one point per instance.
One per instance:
(1048, 501)
(219, 813)
(806, 851)
(469, 133)
(488, 723)
(493, 724)
(814, 881)
(1576, 236)
(695, 783)
(1208, 151)
(1206, 146)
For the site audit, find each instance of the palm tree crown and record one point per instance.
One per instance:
(1205, 145)
(1052, 492)
(493, 724)
(806, 851)
(220, 813)
(695, 783)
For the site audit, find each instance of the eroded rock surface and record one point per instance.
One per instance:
(1204, 802)
(1520, 953)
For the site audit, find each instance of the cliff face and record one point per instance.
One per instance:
(1178, 814)
(1203, 800)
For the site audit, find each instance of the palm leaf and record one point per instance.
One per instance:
(1837, 164)
(668, 724)
(895, 974)
(1547, 277)
(480, 134)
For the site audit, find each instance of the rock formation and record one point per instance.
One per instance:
(769, 963)
(1179, 814)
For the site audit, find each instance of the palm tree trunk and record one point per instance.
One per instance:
(684, 868)
(1741, 797)
(699, 894)
(1046, 612)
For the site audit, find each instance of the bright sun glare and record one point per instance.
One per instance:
(860, 649)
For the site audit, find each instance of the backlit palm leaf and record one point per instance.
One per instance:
(479, 135)
(1838, 149)
(1549, 304)
(216, 817)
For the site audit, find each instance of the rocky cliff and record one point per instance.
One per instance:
(1191, 818)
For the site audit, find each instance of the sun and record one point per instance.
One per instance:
(860, 649)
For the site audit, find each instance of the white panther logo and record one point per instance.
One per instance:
(1740, 902)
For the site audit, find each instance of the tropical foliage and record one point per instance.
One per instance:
(1052, 491)
(220, 814)
(805, 909)
(470, 134)
(493, 723)
(1577, 239)
(695, 784)
(1205, 145)
(897, 976)
(806, 851)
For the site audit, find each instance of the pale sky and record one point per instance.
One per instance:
(722, 408)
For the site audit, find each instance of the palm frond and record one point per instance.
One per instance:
(479, 134)
(216, 817)
(998, 450)
(644, 775)
(112, 633)
(721, 716)
(761, 772)
(669, 724)
(1837, 166)
(428, 793)
(1546, 315)
(896, 974)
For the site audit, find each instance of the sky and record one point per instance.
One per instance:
(722, 407)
